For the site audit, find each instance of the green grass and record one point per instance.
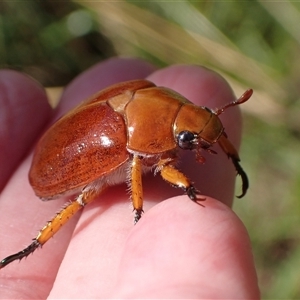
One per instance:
(251, 43)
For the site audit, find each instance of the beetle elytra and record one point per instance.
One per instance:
(112, 138)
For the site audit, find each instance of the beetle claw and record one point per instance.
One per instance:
(194, 194)
(228, 148)
(137, 215)
(24, 253)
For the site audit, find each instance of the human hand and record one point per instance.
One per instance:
(177, 250)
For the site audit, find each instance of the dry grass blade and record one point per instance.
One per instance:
(289, 19)
(196, 41)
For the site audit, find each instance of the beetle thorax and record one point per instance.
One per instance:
(149, 116)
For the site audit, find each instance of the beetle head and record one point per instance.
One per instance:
(197, 128)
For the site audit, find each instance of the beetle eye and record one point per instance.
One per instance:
(186, 140)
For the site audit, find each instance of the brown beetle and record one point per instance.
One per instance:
(112, 138)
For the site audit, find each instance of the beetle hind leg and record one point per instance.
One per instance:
(24, 253)
(53, 226)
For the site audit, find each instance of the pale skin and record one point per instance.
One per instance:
(177, 250)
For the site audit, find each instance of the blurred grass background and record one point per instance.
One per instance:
(251, 43)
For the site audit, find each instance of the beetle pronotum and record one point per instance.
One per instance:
(108, 145)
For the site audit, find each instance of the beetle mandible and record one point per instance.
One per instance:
(108, 145)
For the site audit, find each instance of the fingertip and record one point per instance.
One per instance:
(203, 87)
(21, 95)
(100, 76)
(197, 83)
(24, 112)
(185, 250)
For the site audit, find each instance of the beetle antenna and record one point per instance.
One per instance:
(238, 101)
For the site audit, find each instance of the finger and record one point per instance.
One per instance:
(24, 112)
(184, 251)
(169, 229)
(25, 220)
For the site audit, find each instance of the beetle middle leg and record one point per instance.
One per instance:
(136, 187)
(53, 226)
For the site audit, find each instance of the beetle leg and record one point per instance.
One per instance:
(178, 179)
(53, 226)
(229, 149)
(136, 187)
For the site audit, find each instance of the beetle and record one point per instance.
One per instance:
(113, 137)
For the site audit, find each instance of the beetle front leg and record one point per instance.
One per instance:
(53, 226)
(136, 187)
(178, 179)
(231, 152)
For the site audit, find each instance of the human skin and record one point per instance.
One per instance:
(178, 249)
